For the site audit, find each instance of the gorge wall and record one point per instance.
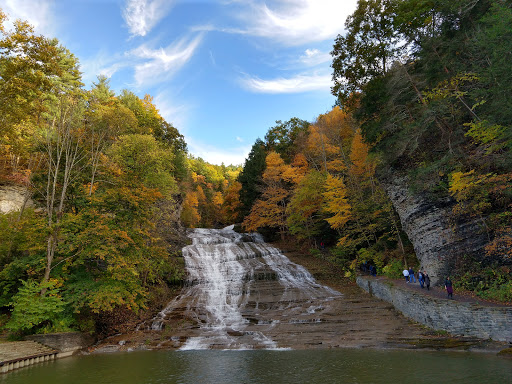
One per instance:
(458, 318)
(438, 238)
(12, 198)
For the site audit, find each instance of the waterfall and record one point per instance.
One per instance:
(239, 288)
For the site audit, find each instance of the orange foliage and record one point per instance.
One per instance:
(190, 214)
(232, 204)
(361, 165)
(269, 211)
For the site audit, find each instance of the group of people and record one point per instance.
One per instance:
(369, 268)
(424, 280)
(423, 277)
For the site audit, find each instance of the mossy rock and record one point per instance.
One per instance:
(445, 343)
(507, 352)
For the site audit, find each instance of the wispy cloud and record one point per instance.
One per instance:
(176, 113)
(161, 64)
(215, 155)
(38, 13)
(142, 15)
(102, 63)
(296, 84)
(314, 57)
(293, 22)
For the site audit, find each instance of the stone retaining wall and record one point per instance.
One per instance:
(66, 343)
(458, 318)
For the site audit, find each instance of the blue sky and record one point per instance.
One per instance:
(221, 71)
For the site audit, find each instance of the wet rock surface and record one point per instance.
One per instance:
(272, 302)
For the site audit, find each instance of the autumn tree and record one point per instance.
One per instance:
(33, 69)
(231, 205)
(304, 212)
(270, 209)
(336, 202)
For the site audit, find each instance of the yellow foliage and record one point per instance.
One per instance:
(336, 202)
(462, 181)
(361, 164)
(296, 172)
(218, 199)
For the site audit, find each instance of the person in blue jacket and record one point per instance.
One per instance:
(411, 275)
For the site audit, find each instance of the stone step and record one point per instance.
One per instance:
(20, 354)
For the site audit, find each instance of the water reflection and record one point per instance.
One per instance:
(327, 366)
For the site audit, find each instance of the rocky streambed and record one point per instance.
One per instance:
(246, 294)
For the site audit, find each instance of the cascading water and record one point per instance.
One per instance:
(242, 293)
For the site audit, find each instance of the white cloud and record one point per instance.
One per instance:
(161, 64)
(102, 63)
(314, 57)
(215, 155)
(294, 22)
(142, 15)
(37, 12)
(297, 84)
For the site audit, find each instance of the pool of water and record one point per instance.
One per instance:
(264, 366)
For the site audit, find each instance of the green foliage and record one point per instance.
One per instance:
(394, 269)
(33, 310)
(282, 137)
(492, 283)
(367, 49)
(315, 253)
(305, 208)
(251, 176)
(492, 137)
(103, 171)
(143, 158)
(440, 115)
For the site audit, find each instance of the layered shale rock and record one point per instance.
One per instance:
(437, 235)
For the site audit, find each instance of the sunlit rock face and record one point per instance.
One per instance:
(12, 198)
(438, 238)
(243, 293)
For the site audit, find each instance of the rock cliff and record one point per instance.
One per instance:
(437, 236)
(12, 198)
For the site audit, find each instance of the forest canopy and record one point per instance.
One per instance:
(111, 183)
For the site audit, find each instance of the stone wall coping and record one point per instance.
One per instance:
(458, 318)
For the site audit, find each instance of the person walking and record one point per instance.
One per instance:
(411, 275)
(449, 287)
(427, 280)
(421, 278)
(406, 275)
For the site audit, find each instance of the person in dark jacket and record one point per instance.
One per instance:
(449, 287)
(411, 275)
(426, 278)
(421, 278)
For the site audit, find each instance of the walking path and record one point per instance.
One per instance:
(440, 292)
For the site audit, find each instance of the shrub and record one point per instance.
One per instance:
(394, 269)
(35, 312)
